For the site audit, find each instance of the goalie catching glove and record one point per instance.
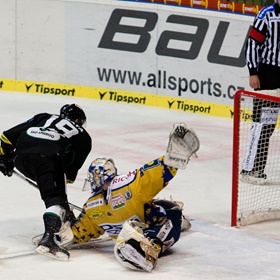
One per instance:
(135, 251)
(183, 143)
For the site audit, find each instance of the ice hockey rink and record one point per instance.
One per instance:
(133, 135)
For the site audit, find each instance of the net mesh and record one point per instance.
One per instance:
(258, 199)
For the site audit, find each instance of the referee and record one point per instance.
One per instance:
(263, 61)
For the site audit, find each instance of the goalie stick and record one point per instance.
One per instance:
(18, 174)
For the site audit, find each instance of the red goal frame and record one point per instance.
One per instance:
(236, 141)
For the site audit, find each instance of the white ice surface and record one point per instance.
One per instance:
(133, 135)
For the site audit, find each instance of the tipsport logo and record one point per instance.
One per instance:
(39, 88)
(184, 106)
(114, 96)
(244, 115)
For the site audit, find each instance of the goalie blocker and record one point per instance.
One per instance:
(183, 143)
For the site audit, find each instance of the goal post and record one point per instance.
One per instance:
(254, 202)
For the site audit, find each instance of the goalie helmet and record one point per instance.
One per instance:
(74, 113)
(101, 170)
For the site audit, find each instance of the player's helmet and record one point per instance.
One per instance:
(101, 170)
(74, 113)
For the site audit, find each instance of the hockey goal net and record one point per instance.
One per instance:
(257, 200)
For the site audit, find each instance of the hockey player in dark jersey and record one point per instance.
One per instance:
(263, 62)
(47, 149)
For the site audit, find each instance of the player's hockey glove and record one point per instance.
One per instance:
(7, 164)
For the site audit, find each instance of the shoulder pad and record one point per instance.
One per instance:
(262, 13)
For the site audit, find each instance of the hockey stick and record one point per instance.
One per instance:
(17, 254)
(19, 175)
(91, 244)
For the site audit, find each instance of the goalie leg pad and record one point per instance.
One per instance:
(183, 143)
(130, 257)
(133, 250)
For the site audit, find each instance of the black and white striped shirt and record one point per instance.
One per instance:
(264, 39)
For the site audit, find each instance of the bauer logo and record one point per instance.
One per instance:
(39, 88)
(196, 40)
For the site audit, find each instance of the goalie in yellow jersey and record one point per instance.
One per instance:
(124, 207)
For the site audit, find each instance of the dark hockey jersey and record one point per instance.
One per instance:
(49, 135)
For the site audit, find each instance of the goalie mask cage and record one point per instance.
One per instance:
(253, 202)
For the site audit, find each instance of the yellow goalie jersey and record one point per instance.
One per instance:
(124, 200)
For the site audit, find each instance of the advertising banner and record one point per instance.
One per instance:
(198, 55)
(173, 57)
